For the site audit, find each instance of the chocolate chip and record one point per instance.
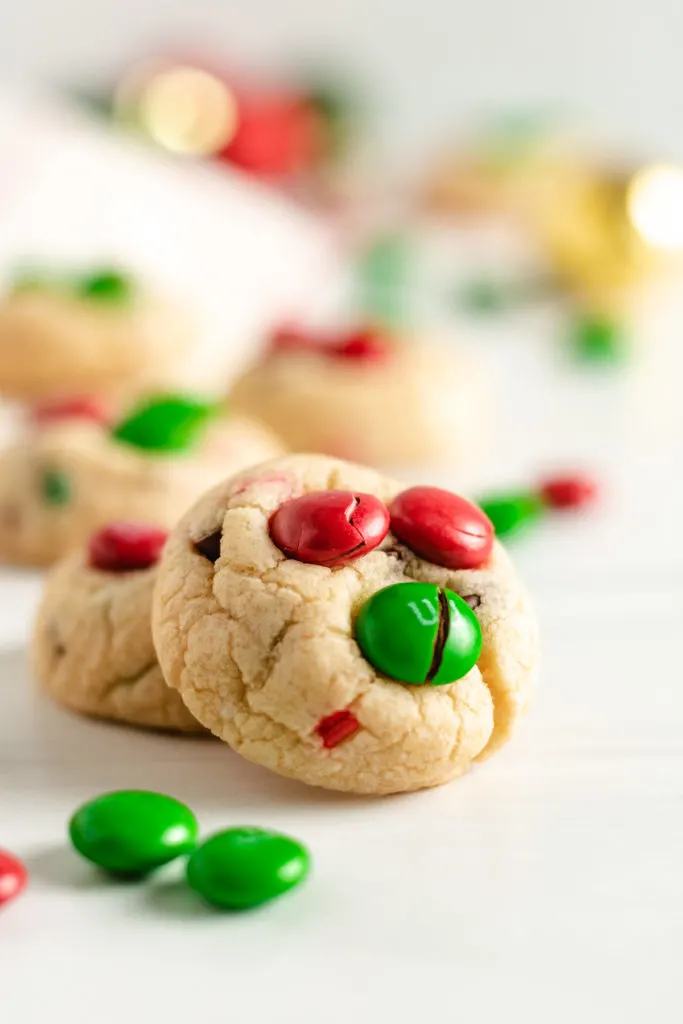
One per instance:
(473, 600)
(209, 547)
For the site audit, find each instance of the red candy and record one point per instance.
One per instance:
(294, 339)
(126, 546)
(363, 346)
(83, 407)
(277, 135)
(576, 490)
(442, 527)
(336, 727)
(329, 527)
(13, 877)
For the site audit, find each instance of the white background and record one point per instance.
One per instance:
(547, 886)
(429, 64)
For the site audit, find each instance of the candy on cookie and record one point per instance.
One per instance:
(92, 641)
(366, 395)
(340, 629)
(76, 468)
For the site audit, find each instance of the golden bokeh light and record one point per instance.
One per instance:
(184, 109)
(655, 206)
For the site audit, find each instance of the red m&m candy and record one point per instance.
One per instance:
(329, 527)
(82, 407)
(365, 346)
(574, 490)
(126, 546)
(442, 527)
(13, 877)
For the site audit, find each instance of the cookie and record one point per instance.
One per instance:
(367, 397)
(72, 473)
(92, 643)
(279, 656)
(98, 332)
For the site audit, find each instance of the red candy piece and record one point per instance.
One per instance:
(126, 546)
(442, 527)
(83, 407)
(576, 490)
(336, 727)
(13, 877)
(365, 346)
(329, 527)
(277, 135)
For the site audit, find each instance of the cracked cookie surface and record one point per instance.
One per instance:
(64, 480)
(92, 647)
(261, 647)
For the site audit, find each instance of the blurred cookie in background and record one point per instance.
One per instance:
(73, 470)
(97, 330)
(383, 398)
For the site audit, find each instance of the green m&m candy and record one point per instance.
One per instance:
(108, 286)
(55, 487)
(166, 423)
(419, 633)
(133, 831)
(243, 867)
(510, 513)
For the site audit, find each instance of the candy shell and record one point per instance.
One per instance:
(244, 867)
(417, 633)
(13, 877)
(133, 831)
(126, 546)
(329, 527)
(442, 527)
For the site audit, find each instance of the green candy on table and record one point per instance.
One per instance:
(167, 423)
(418, 633)
(244, 867)
(510, 513)
(598, 339)
(133, 831)
(108, 286)
(55, 487)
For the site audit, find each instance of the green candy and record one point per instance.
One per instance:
(510, 513)
(484, 296)
(168, 423)
(383, 274)
(419, 633)
(243, 867)
(598, 339)
(133, 831)
(108, 286)
(55, 487)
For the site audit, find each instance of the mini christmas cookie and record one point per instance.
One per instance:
(98, 331)
(92, 643)
(343, 630)
(74, 472)
(366, 396)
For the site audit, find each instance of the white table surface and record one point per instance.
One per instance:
(545, 887)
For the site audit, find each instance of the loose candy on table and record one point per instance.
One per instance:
(568, 491)
(132, 832)
(241, 868)
(510, 513)
(442, 527)
(167, 423)
(418, 633)
(598, 338)
(329, 528)
(126, 546)
(13, 877)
